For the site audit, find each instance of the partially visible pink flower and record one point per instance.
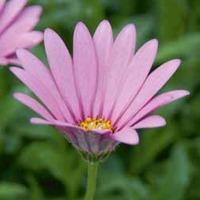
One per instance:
(16, 28)
(101, 96)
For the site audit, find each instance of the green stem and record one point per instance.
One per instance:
(92, 179)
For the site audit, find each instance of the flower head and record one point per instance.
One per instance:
(99, 97)
(16, 24)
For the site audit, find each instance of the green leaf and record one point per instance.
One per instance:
(187, 45)
(175, 178)
(115, 183)
(152, 144)
(172, 18)
(12, 191)
(63, 165)
(35, 190)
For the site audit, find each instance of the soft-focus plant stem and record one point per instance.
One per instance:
(91, 181)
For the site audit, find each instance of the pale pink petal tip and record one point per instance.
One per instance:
(104, 23)
(35, 120)
(179, 94)
(17, 95)
(153, 46)
(13, 69)
(103, 27)
(127, 136)
(80, 25)
(80, 29)
(150, 122)
(37, 36)
(40, 9)
(185, 93)
(153, 43)
(48, 31)
(129, 29)
(176, 62)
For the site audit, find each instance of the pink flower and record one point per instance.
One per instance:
(16, 24)
(101, 96)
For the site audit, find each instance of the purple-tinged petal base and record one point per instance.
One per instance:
(93, 143)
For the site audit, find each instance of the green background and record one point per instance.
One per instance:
(36, 163)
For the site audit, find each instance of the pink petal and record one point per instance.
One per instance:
(159, 101)
(135, 76)
(85, 67)
(26, 40)
(42, 92)
(28, 19)
(121, 53)
(2, 3)
(42, 76)
(152, 85)
(53, 122)
(127, 136)
(11, 10)
(25, 22)
(61, 66)
(34, 105)
(103, 40)
(150, 122)
(30, 39)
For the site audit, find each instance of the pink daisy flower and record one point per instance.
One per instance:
(102, 95)
(16, 24)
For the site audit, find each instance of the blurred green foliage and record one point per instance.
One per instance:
(37, 163)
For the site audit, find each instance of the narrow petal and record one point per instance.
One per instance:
(11, 10)
(30, 39)
(127, 136)
(61, 67)
(36, 120)
(152, 85)
(103, 40)
(85, 67)
(135, 76)
(121, 54)
(43, 77)
(24, 23)
(28, 19)
(40, 91)
(159, 101)
(34, 105)
(150, 122)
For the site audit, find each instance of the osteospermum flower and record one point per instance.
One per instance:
(102, 95)
(16, 24)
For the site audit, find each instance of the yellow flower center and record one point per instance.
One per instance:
(96, 123)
